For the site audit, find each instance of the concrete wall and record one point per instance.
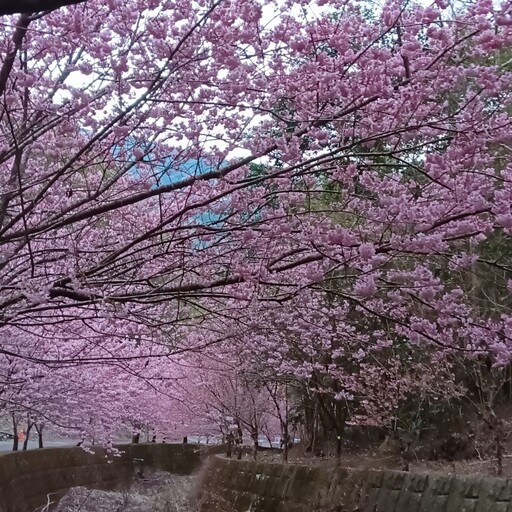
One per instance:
(239, 486)
(26, 478)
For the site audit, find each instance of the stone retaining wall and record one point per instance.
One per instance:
(240, 486)
(28, 478)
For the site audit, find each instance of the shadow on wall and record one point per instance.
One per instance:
(30, 479)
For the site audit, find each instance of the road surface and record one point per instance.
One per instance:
(6, 446)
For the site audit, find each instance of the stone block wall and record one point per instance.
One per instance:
(28, 478)
(240, 486)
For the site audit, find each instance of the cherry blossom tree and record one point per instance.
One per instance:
(126, 156)
(225, 398)
(316, 182)
(321, 371)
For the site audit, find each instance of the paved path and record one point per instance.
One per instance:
(6, 446)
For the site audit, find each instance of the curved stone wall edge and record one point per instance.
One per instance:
(27, 478)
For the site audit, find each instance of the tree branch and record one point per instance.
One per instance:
(31, 6)
(17, 40)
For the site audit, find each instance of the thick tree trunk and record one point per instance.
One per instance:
(31, 6)
(285, 440)
(314, 435)
(39, 430)
(136, 438)
(25, 442)
(340, 434)
(339, 446)
(405, 453)
(239, 440)
(499, 447)
(254, 435)
(229, 445)
(15, 440)
(309, 423)
(285, 436)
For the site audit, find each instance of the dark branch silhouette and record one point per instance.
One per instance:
(31, 6)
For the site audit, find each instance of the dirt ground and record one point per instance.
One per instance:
(372, 460)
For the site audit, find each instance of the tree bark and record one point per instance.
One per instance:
(39, 430)
(285, 440)
(339, 445)
(15, 441)
(341, 420)
(31, 6)
(254, 435)
(25, 442)
(499, 447)
(239, 440)
(229, 445)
